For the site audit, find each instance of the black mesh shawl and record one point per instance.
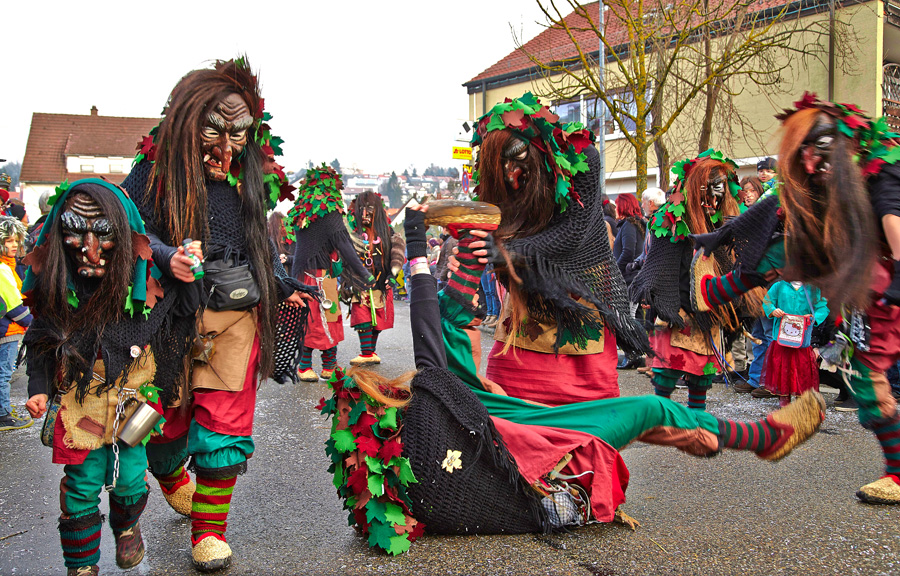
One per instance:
(749, 234)
(572, 257)
(316, 242)
(48, 347)
(487, 495)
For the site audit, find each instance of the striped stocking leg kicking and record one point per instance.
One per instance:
(209, 510)
(366, 342)
(375, 334)
(329, 358)
(755, 436)
(80, 539)
(305, 358)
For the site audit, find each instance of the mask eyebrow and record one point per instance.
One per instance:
(216, 121)
(243, 123)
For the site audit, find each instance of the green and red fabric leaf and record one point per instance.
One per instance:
(370, 472)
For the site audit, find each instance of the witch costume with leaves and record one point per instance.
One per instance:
(437, 452)
(207, 173)
(838, 205)
(567, 308)
(687, 343)
(322, 248)
(370, 295)
(100, 345)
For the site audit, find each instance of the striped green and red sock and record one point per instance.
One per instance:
(123, 515)
(723, 289)
(209, 508)
(305, 358)
(329, 358)
(756, 436)
(888, 434)
(366, 342)
(170, 483)
(80, 539)
(697, 398)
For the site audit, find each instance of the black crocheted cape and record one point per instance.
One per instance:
(315, 244)
(571, 258)
(168, 337)
(487, 495)
(750, 234)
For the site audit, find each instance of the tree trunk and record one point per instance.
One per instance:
(640, 164)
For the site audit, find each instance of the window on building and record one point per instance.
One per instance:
(86, 168)
(595, 116)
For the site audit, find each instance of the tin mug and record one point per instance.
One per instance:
(139, 424)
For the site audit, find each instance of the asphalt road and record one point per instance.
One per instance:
(733, 514)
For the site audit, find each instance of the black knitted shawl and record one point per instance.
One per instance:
(571, 258)
(487, 495)
(751, 233)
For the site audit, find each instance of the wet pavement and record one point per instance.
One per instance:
(733, 514)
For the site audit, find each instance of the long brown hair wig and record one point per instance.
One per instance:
(178, 178)
(831, 237)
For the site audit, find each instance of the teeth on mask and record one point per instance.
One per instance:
(102, 262)
(206, 158)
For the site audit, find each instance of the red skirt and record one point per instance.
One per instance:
(556, 380)
(316, 336)
(790, 371)
(361, 314)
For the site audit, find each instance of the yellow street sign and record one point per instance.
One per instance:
(462, 153)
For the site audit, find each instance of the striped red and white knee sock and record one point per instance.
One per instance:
(210, 506)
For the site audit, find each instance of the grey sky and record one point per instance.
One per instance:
(375, 84)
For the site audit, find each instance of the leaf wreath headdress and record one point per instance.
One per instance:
(561, 144)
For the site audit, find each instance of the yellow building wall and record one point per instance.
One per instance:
(758, 106)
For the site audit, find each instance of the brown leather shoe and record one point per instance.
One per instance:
(743, 388)
(129, 547)
(762, 392)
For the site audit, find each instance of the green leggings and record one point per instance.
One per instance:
(82, 484)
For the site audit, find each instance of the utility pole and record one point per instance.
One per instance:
(601, 65)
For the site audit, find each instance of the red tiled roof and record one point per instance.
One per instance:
(52, 136)
(554, 44)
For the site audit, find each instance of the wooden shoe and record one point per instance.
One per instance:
(308, 375)
(796, 423)
(446, 212)
(885, 490)
(180, 500)
(211, 554)
(129, 547)
(326, 374)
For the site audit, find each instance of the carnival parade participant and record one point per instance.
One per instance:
(208, 173)
(97, 346)
(567, 305)
(687, 343)
(322, 249)
(406, 440)
(15, 320)
(838, 201)
(381, 251)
